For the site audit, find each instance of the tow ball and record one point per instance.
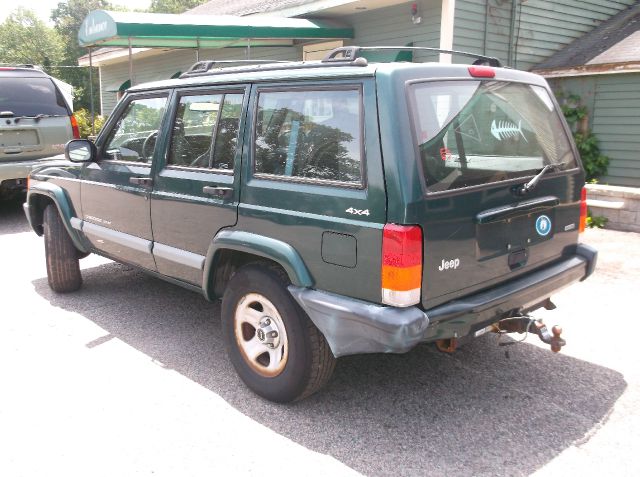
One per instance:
(527, 324)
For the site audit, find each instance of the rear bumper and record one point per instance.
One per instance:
(19, 169)
(15, 170)
(355, 327)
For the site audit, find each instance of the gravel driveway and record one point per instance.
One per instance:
(129, 376)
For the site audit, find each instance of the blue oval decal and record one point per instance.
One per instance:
(543, 225)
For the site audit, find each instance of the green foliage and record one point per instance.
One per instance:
(573, 111)
(67, 18)
(596, 222)
(24, 38)
(174, 6)
(84, 122)
(595, 163)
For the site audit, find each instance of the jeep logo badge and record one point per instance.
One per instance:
(543, 225)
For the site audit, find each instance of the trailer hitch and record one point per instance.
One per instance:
(527, 324)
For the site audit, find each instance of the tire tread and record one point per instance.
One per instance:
(63, 266)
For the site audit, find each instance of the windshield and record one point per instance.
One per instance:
(31, 96)
(476, 132)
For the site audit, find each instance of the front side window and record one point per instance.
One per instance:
(476, 132)
(310, 134)
(133, 138)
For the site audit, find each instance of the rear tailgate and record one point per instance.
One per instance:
(35, 119)
(31, 139)
(478, 142)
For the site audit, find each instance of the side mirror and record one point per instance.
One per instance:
(80, 150)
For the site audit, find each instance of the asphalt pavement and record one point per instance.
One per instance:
(129, 377)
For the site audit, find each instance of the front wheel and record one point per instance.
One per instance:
(273, 345)
(63, 267)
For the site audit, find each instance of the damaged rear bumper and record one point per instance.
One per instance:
(354, 327)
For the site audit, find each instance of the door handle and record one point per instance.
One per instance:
(143, 181)
(219, 192)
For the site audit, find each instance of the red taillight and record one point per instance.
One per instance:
(583, 209)
(74, 127)
(479, 71)
(401, 264)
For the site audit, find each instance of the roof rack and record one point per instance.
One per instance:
(343, 56)
(26, 66)
(351, 53)
(205, 68)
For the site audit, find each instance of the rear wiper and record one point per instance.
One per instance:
(37, 117)
(524, 189)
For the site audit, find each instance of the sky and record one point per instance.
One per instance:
(43, 7)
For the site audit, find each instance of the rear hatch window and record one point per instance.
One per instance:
(471, 133)
(31, 97)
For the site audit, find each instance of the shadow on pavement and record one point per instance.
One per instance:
(12, 218)
(423, 413)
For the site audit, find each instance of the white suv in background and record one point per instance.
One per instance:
(36, 121)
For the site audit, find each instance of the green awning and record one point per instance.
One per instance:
(103, 28)
(117, 87)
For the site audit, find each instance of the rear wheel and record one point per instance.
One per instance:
(63, 267)
(273, 345)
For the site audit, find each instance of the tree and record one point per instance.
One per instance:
(24, 38)
(67, 18)
(174, 6)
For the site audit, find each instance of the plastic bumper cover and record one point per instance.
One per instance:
(16, 169)
(354, 327)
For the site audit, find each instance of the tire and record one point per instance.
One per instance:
(63, 266)
(299, 363)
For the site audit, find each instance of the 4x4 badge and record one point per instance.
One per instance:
(543, 225)
(353, 211)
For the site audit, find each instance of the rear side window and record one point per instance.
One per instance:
(205, 131)
(31, 96)
(471, 132)
(310, 134)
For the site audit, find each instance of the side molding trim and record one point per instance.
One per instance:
(126, 240)
(178, 255)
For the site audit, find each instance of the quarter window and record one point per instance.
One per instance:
(134, 136)
(310, 134)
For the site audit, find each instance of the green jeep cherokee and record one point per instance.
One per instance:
(337, 207)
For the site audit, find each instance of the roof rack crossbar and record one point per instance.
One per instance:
(207, 65)
(351, 53)
(196, 70)
(25, 65)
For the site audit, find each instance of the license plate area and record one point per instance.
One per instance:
(514, 234)
(19, 138)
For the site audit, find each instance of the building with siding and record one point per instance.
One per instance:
(523, 34)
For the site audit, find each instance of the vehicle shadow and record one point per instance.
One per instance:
(475, 412)
(12, 218)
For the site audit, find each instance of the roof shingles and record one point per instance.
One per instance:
(613, 41)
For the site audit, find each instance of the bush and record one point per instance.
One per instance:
(83, 117)
(595, 164)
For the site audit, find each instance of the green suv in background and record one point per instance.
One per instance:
(336, 207)
(35, 122)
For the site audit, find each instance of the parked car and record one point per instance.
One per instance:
(35, 122)
(336, 207)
